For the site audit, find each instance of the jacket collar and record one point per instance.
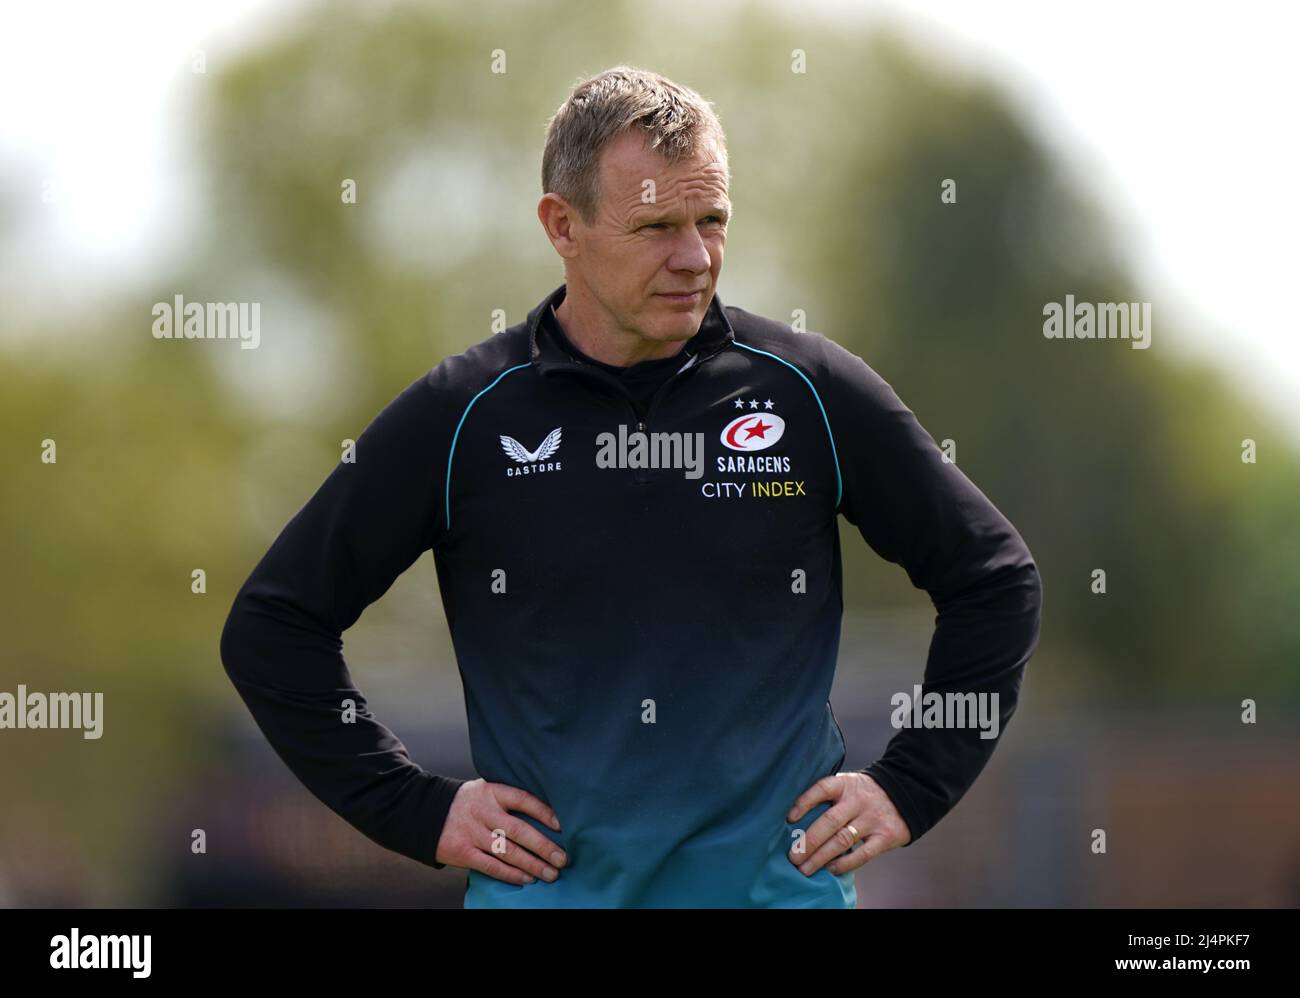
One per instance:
(715, 332)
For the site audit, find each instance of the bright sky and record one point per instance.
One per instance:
(1175, 116)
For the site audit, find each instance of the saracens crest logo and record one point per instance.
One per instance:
(755, 431)
(532, 461)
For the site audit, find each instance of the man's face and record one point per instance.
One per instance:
(648, 242)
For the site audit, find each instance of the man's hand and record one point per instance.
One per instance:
(480, 835)
(861, 811)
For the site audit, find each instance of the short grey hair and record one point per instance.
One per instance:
(676, 120)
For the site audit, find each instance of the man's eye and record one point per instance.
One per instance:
(716, 219)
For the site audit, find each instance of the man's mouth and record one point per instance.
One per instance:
(688, 298)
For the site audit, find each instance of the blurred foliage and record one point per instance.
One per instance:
(174, 456)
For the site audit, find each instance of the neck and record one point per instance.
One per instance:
(591, 330)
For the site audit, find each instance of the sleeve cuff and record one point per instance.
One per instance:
(903, 803)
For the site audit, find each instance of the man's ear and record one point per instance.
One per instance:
(560, 221)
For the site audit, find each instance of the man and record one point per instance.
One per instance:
(632, 500)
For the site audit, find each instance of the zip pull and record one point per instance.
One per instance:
(640, 427)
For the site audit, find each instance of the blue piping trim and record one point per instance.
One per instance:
(839, 481)
(452, 453)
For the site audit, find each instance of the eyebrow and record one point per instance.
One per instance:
(650, 217)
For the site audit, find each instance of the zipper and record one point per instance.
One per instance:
(654, 399)
(840, 731)
(642, 477)
(642, 474)
(618, 386)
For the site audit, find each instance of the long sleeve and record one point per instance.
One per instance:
(282, 642)
(917, 510)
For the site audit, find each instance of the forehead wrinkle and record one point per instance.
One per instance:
(647, 165)
(710, 192)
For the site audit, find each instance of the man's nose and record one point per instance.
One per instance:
(690, 253)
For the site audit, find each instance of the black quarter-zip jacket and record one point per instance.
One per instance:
(644, 601)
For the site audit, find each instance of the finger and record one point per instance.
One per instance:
(838, 844)
(827, 788)
(497, 870)
(824, 829)
(534, 841)
(870, 848)
(497, 839)
(518, 799)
